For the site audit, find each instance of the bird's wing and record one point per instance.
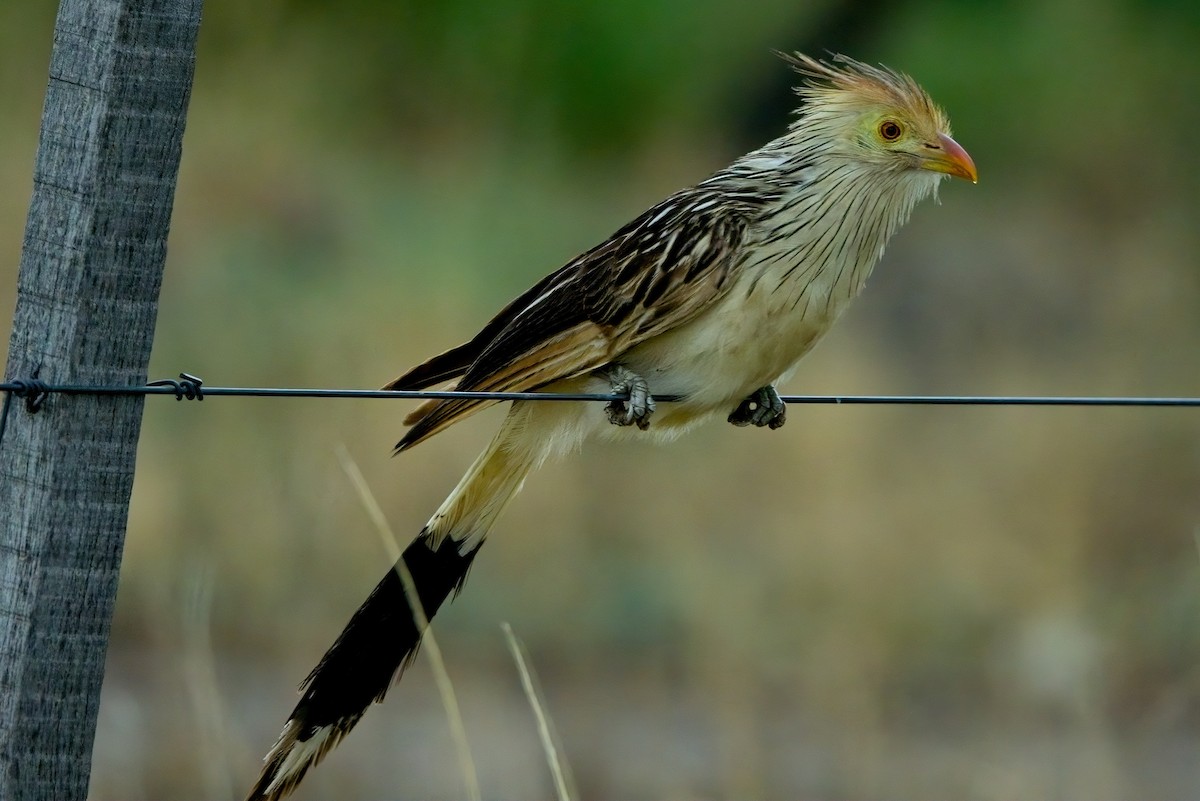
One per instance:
(456, 361)
(435, 370)
(656, 273)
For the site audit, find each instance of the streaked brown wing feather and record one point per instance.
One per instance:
(435, 370)
(456, 361)
(533, 370)
(656, 273)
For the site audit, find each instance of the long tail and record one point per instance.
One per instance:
(382, 637)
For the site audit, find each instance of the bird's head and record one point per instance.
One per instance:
(877, 117)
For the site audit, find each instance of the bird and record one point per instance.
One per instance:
(709, 298)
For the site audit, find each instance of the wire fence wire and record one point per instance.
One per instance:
(190, 387)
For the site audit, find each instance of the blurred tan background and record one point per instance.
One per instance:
(874, 602)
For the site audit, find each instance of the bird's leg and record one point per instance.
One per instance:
(764, 407)
(637, 407)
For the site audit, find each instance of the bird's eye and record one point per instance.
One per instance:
(890, 130)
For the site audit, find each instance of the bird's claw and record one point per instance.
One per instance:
(638, 405)
(764, 407)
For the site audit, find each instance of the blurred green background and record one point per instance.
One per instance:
(875, 602)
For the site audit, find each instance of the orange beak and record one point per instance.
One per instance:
(950, 158)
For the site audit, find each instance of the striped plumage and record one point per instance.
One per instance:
(712, 295)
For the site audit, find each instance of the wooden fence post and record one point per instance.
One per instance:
(91, 267)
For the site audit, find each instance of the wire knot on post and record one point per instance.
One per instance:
(188, 386)
(34, 391)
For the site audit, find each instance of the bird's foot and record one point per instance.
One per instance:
(764, 407)
(638, 405)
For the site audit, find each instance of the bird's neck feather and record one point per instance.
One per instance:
(826, 216)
